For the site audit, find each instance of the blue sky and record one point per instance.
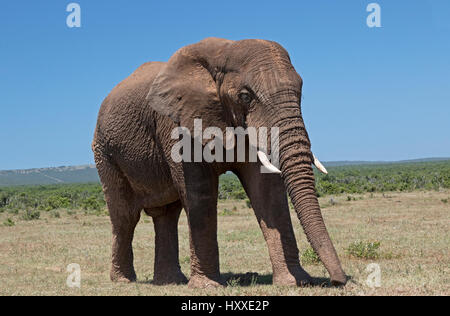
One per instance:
(369, 93)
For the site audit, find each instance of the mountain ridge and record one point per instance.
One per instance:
(52, 175)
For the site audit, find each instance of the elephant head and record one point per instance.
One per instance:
(249, 83)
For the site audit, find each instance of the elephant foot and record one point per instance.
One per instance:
(169, 278)
(117, 275)
(294, 277)
(203, 282)
(339, 280)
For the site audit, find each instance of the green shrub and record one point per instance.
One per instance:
(50, 197)
(13, 211)
(56, 202)
(55, 214)
(31, 215)
(364, 250)
(9, 222)
(91, 203)
(4, 199)
(384, 178)
(349, 180)
(239, 194)
(309, 256)
(226, 212)
(234, 282)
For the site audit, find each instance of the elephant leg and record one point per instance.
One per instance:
(200, 202)
(122, 269)
(124, 217)
(269, 201)
(167, 267)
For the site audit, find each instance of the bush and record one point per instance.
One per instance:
(309, 256)
(4, 199)
(347, 180)
(57, 202)
(230, 188)
(364, 250)
(9, 222)
(226, 212)
(384, 177)
(13, 211)
(55, 214)
(91, 203)
(31, 215)
(50, 197)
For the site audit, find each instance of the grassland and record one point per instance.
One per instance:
(412, 229)
(395, 215)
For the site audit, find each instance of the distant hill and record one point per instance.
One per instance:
(88, 173)
(72, 174)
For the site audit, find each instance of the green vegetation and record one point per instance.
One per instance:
(364, 250)
(309, 256)
(31, 215)
(413, 229)
(384, 178)
(340, 180)
(225, 212)
(230, 188)
(356, 179)
(32, 199)
(9, 222)
(407, 233)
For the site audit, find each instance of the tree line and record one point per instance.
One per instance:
(340, 180)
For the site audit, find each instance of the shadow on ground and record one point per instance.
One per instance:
(247, 279)
(253, 278)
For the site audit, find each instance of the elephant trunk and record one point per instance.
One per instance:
(296, 169)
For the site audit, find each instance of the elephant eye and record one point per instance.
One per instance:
(245, 97)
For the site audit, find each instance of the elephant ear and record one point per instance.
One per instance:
(185, 88)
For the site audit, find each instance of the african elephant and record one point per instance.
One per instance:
(226, 84)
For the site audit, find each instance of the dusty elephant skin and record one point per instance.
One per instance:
(226, 84)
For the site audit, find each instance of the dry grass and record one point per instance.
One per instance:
(413, 229)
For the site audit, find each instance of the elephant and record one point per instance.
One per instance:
(225, 83)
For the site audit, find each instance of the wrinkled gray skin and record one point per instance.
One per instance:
(225, 83)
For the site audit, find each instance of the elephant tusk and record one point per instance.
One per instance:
(266, 163)
(319, 165)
